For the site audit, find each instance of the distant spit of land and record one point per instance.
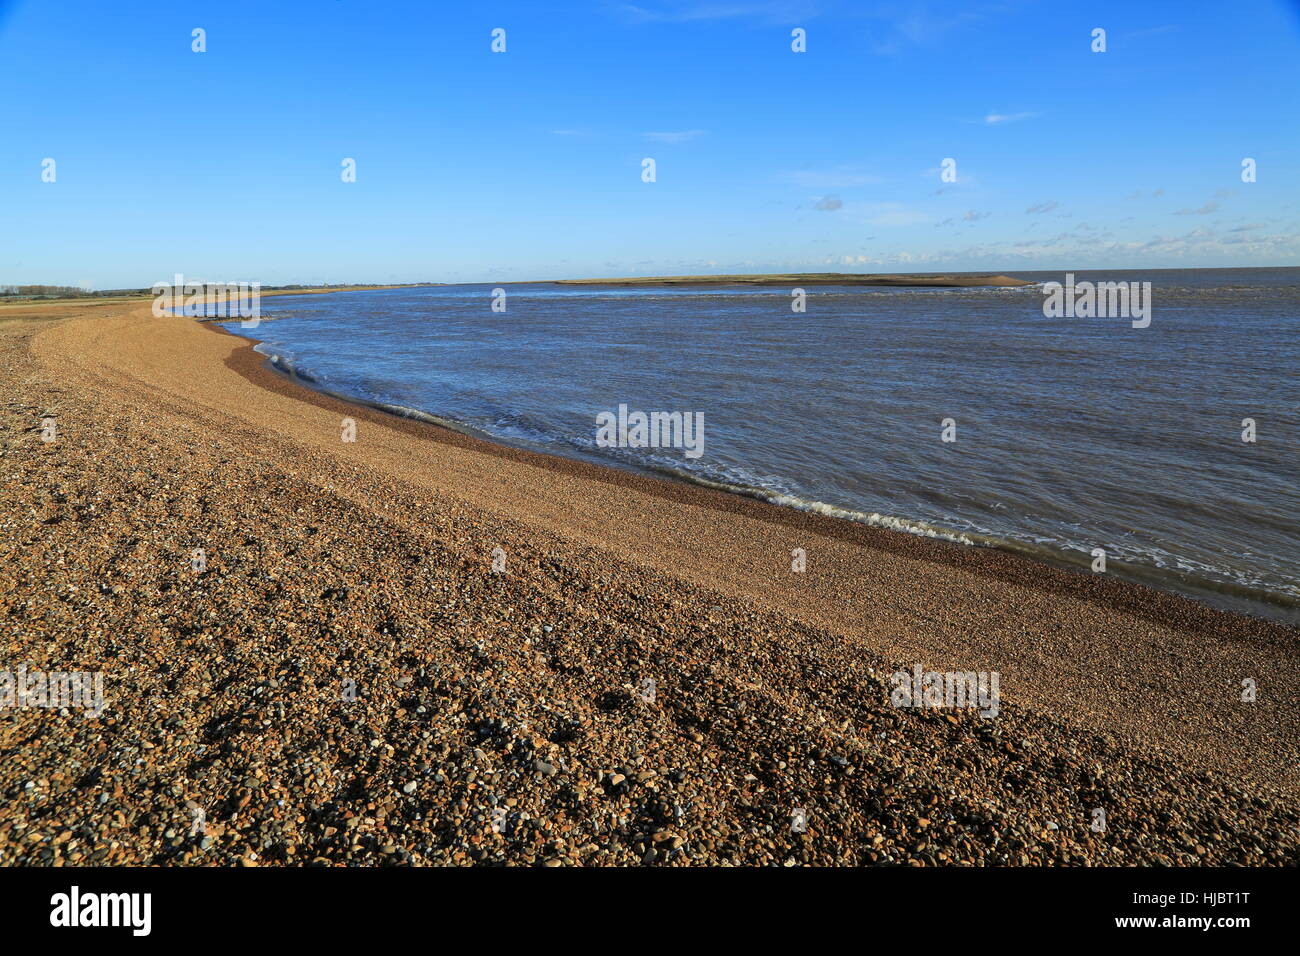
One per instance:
(34, 293)
(957, 279)
(50, 293)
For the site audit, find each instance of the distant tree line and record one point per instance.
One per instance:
(59, 290)
(75, 292)
(62, 292)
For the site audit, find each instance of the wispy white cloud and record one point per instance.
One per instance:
(998, 119)
(907, 25)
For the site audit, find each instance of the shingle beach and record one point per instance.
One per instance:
(422, 649)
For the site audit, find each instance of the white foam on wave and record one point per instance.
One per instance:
(874, 518)
(787, 500)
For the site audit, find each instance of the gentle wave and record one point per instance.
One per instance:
(284, 365)
(290, 369)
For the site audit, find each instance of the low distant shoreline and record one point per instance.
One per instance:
(945, 280)
(130, 295)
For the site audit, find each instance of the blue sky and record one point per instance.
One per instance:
(481, 166)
